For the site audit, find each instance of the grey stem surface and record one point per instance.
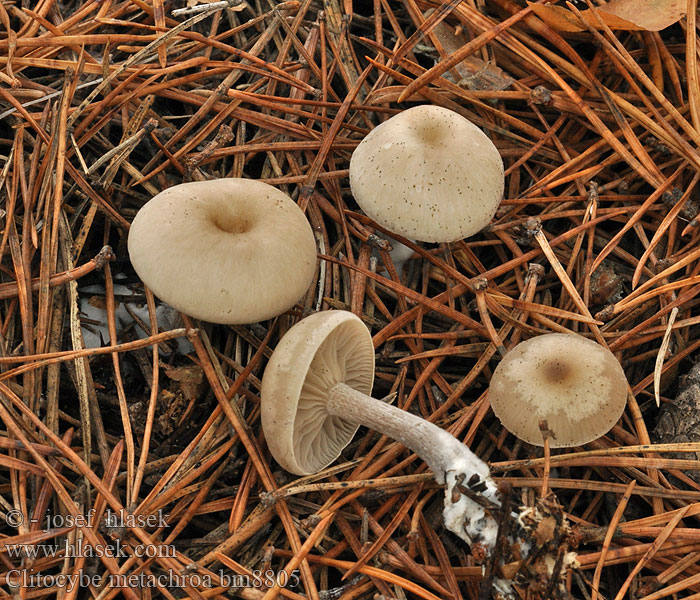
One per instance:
(439, 449)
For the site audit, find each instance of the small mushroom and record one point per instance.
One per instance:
(314, 398)
(429, 174)
(226, 251)
(573, 383)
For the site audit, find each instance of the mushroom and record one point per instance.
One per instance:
(429, 174)
(226, 251)
(314, 397)
(573, 383)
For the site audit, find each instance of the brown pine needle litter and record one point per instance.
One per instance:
(132, 461)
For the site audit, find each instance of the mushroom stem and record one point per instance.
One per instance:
(435, 446)
(450, 461)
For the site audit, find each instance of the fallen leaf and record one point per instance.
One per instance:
(627, 15)
(190, 380)
(545, 531)
(557, 17)
(474, 73)
(652, 15)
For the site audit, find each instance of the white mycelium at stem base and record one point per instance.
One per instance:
(448, 459)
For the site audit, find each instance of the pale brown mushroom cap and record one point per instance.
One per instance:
(428, 174)
(576, 385)
(319, 351)
(225, 251)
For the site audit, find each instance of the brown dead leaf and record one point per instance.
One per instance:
(557, 17)
(545, 531)
(627, 15)
(189, 380)
(171, 407)
(472, 73)
(652, 15)
(98, 302)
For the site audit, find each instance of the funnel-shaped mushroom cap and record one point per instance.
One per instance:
(428, 174)
(575, 384)
(226, 251)
(320, 351)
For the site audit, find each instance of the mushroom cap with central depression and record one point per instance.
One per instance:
(320, 351)
(573, 383)
(226, 251)
(428, 174)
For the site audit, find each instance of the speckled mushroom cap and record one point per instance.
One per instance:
(575, 384)
(225, 251)
(428, 174)
(319, 351)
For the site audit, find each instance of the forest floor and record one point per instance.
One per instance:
(104, 408)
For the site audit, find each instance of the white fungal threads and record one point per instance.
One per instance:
(314, 397)
(464, 517)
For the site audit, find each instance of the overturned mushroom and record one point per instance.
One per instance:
(314, 398)
(574, 384)
(226, 251)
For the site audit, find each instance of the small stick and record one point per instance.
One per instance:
(212, 6)
(546, 434)
(608, 536)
